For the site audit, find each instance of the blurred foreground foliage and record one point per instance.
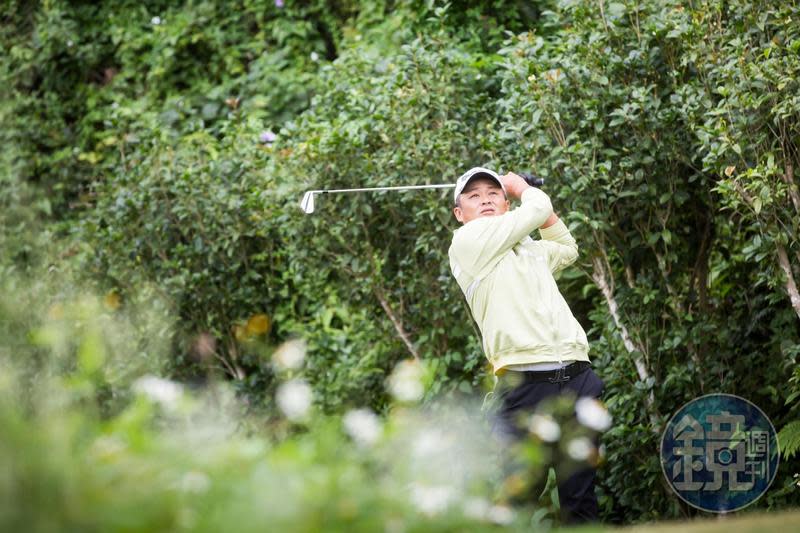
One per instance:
(156, 152)
(93, 440)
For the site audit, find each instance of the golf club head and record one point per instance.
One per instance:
(308, 202)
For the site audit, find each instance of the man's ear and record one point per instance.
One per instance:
(459, 215)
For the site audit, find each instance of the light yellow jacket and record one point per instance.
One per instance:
(507, 279)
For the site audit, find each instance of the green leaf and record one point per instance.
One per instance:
(616, 9)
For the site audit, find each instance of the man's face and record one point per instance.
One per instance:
(482, 197)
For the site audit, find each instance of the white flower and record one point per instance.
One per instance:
(155, 21)
(592, 414)
(314, 56)
(70, 43)
(158, 390)
(428, 443)
(363, 426)
(501, 514)
(405, 383)
(267, 137)
(545, 427)
(290, 355)
(580, 448)
(431, 500)
(294, 399)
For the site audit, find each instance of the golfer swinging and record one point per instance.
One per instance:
(530, 336)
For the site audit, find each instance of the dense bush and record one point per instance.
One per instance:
(160, 150)
(617, 108)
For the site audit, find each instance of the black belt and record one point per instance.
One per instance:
(552, 376)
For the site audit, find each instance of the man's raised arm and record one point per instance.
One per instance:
(480, 244)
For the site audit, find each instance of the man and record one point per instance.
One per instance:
(535, 345)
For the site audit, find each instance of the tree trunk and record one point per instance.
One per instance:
(599, 276)
(791, 286)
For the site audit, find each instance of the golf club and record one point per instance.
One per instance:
(307, 204)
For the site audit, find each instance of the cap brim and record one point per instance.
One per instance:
(473, 173)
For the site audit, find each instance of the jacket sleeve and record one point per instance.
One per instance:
(562, 250)
(480, 244)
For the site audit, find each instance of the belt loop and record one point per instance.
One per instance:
(560, 377)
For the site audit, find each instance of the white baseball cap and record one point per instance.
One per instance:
(476, 172)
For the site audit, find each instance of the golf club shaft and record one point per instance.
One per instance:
(307, 204)
(532, 180)
(397, 188)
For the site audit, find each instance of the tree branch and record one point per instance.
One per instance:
(783, 258)
(396, 322)
(788, 178)
(600, 278)
(791, 286)
(700, 271)
(603, 15)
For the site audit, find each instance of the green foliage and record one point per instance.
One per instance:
(88, 442)
(607, 106)
(82, 82)
(789, 439)
(178, 217)
(160, 150)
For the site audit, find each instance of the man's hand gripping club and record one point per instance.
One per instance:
(515, 185)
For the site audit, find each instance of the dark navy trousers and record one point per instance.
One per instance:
(575, 486)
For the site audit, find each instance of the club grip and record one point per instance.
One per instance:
(530, 179)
